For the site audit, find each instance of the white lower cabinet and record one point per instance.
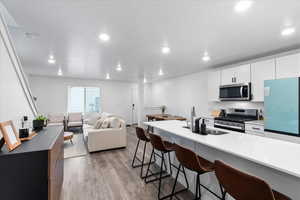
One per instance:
(255, 129)
(261, 71)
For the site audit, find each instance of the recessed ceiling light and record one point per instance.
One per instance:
(104, 37)
(243, 5)
(119, 67)
(288, 31)
(59, 73)
(145, 80)
(107, 76)
(206, 57)
(165, 50)
(160, 73)
(51, 59)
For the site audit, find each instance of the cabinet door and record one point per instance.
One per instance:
(261, 71)
(227, 76)
(288, 66)
(242, 74)
(214, 81)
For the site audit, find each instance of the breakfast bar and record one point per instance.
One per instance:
(275, 161)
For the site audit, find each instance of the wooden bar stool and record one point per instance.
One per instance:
(243, 186)
(141, 135)
(190, 160)
(163, 147)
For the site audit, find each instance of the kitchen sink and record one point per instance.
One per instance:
(215, 132)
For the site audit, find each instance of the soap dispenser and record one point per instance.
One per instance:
(203, 128)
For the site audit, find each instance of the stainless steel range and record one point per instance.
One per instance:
(235, 119)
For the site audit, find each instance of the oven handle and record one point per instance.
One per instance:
(228, 126)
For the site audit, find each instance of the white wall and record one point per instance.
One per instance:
(180, 94)
(13, 102)
(52, 94)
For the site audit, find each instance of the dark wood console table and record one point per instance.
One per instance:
(35, 169)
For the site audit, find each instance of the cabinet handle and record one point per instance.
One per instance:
(254, 128)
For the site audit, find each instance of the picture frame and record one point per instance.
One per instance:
(10, 135)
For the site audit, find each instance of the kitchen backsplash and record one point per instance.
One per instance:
(235, 104)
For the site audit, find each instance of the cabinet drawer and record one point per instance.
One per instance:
(255, 128)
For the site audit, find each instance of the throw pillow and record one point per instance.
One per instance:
(99, 123)
(105, 123)
(115, 123)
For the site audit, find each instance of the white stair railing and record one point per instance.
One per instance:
(22, 78)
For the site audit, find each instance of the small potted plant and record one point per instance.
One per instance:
(39, 122)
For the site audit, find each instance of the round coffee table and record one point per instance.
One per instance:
(68, 136)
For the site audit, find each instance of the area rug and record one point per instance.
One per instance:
(77, 149)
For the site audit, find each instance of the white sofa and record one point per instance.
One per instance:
(107, 138)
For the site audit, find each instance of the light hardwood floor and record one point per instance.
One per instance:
(108, 175)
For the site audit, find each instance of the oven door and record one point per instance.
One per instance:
(240, 92)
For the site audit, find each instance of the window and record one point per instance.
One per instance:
(84, 99)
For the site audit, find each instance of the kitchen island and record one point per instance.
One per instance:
(273, 160)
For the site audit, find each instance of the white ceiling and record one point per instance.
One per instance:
(139, 28)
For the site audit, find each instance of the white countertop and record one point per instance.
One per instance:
(273, 153)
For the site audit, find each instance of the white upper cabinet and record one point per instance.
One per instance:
(243, 74)
(235, 75)
(227, 76)
(288, 66)
(261, 71)
(214, 81)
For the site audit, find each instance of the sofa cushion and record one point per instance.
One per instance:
(99, 123)
(73, 124)
(114, 122)
(75, 117)
(105, 123)
(105, 114)
(92, 121)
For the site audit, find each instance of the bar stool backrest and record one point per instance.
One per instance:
(157, 142)
(140, 133)
(187, 158)
(240, 185)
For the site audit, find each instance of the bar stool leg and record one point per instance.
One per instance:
(134, 157)
(173, 189)
(199, 185)
(148, 168)
(142, 168)
(170, 163)
(176, 178)
(197, 188)
(161, 172)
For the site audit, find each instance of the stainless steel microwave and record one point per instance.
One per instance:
(235, 92)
